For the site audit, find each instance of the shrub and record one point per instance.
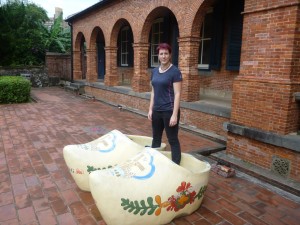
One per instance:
(14, 89)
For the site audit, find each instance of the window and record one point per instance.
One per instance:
(124, 46)
(205, 41)
(156, 38)
(235, 30)
(211, 36)
(163, 30)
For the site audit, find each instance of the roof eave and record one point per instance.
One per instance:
(87, 10)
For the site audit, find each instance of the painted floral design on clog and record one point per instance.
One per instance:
(185, 195)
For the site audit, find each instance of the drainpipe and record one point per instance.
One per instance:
(71, 25)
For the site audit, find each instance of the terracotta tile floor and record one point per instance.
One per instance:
(36, 187)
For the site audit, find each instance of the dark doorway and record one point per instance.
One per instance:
(83, 58)
(101, 60)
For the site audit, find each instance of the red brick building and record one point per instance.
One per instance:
(239, 60)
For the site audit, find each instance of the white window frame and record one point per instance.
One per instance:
(154, 45)
(124, 42)
(202, 40)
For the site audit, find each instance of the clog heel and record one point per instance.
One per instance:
(102, 153)
(149, 188)
(145, 141)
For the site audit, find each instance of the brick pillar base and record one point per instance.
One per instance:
(77, 72)
(111, 75)
(91, 73)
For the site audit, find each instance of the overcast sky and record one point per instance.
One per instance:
(69, 6)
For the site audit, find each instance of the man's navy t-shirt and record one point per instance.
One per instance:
(162, 84)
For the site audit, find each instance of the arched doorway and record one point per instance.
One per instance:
(100, 44)
(79, 54)
(83, 58)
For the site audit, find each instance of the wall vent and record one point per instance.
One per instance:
(281, 166)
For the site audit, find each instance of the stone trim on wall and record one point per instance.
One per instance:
(291, 142)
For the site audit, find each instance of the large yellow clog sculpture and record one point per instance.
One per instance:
(149, 189)
(102, 153)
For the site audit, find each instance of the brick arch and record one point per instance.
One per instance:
(78, 41)
(154, 14)
(115, 31)
(188, 24)
(79, 70)
(193, 28)
(120, 17)
(94, 35)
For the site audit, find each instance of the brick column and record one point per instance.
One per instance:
(263, 92)
(111, 75)
(77, 72)
(91, 73)
(141, 78)
(188, 64)
(264, 110)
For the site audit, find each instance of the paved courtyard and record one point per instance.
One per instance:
(37, 188)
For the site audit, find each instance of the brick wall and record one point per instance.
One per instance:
(125, 75)
(119, 99)
(59, 65)
(219, 80)
(262, 154)
(204, 121)
(263, 92)
(266, 105)
(269, 40)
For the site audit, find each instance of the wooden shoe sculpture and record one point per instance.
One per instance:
(149, 189)
(102, 153)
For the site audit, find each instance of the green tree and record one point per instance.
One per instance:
(21, 33)
(58, 38)
(24, 37)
